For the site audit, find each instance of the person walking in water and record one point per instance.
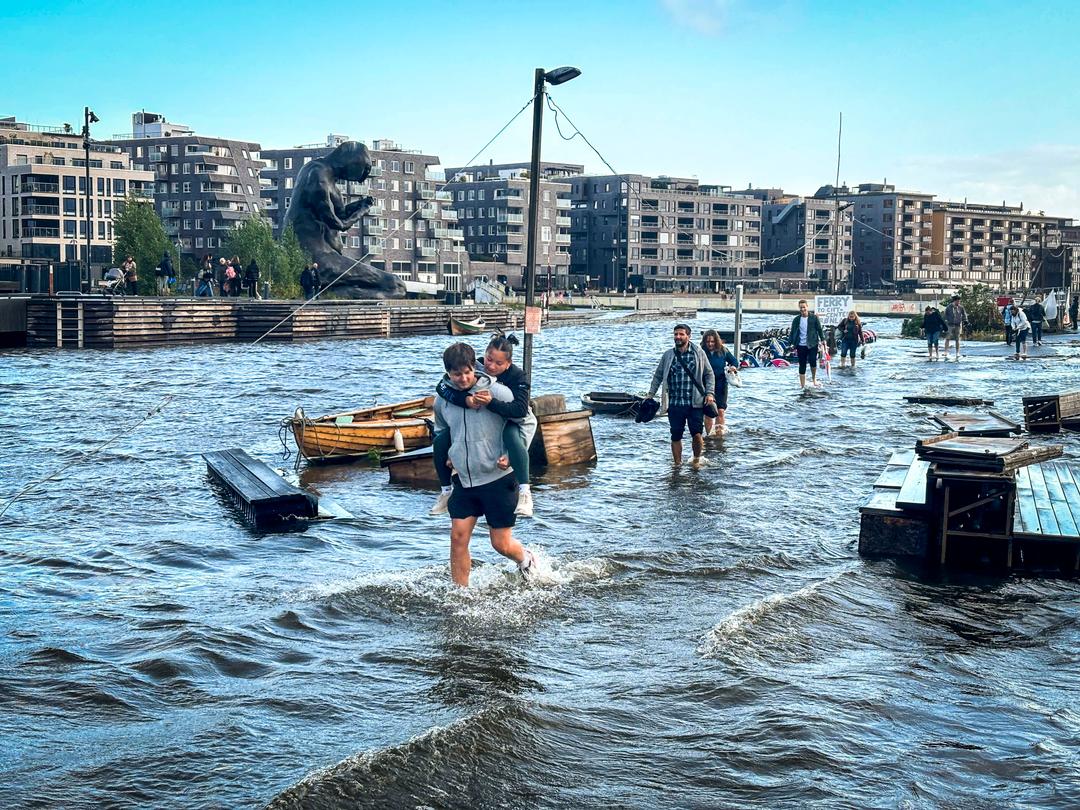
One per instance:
(687, 376)
(517, 433)
(480, 484)
(1021, 327)
(933, 325)
(955, 318)
(1036, 314)
(850, 331)
(720, 359)
(806, 335)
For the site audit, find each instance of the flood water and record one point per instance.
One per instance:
(704, 638)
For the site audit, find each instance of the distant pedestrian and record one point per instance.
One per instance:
(316, 279)
(222, 276)
(206, 280)
(955, 318)
(232, 281)
(1074, 308)
(238, 269)
(721, 359)
(164, 272)
(307, 282)
(1021, 328)
(251, 279)
(933, 325)
(687, 376)
(1006, 315)
(1036, 314)
(806, 336)
(850, 332)
(131, 275)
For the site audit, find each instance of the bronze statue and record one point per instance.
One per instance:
(319, 215)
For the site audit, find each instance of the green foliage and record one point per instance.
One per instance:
(280, 262)
(139, 233)
(980, 304)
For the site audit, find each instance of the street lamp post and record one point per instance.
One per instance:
(88, 119)
(541, 78)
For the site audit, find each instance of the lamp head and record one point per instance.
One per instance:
(91, 118)
(561, 74)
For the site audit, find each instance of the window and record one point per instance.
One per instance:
(307, 160)
(410, 167)
(187, 224)
(491, 212)
(187, 168)
(187, 204)
(69, 207)
(395, 185)
(174, 150)
(408, 244)
(472, 194)
(288, 163)
(460, 195)
(480, 194)
(174, 169)
(69, 184)
(187, 187)
(198, 241)
(395, 166)
(407, 186)
(198, 224)
(288, 182)
(545, 233)
(395, 204)
(198, 205)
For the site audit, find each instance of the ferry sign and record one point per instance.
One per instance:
(831, 308)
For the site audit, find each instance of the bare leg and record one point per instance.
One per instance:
(698, 443)
(676, 452)
(721, 420)
(802, 381)
(502, 540)
(709, 421)
(461, 530)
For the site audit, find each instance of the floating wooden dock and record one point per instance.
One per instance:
(105, 323)
(990, 424)
(1050, 413)
(265, 498)
(943, 400)
(997, 501)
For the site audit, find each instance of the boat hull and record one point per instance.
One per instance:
(460, 327)
(388, 430)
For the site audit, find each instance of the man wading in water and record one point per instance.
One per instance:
(806, 335)
(481, 485)
(688, 376)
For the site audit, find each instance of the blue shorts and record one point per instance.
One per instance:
(681, 416)
(848, 346)
(932, 338)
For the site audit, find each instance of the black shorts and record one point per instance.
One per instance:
(496, 501)
(681, 416)
(807, 357)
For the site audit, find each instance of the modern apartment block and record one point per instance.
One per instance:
(663, 234)
(892, 231)
(43, 193)
(204, 186)
(800, 243)
(493, 202)
(412, 231)
(1001, 246)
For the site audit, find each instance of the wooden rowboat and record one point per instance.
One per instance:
(386, 429)
(458, 326)
(618, 403)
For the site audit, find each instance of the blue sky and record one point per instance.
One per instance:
(963, 99)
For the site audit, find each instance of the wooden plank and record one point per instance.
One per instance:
(913, 491)
(901, 458)
(1062, 513)
(1047, 521)
(1025, 518)
(1070, 488)
(882, 501)
(249, 483)
(892, 477)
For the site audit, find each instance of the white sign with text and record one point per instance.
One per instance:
(831, 309)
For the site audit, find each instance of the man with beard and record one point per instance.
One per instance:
(687, 376)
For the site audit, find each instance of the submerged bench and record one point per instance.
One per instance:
(264, 497)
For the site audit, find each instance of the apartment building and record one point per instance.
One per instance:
(662, 233)
(800, 243)
(204, 186)
(44, 195)
(1001, 246)
(412, 231)
(493, 202)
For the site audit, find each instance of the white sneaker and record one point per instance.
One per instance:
(525, 503)
(441, 503)
(527, 567)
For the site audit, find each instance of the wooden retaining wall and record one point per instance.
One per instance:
(89, 322)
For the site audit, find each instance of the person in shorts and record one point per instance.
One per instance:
(955, 318)
(850, 332)
(484, 485)
(806, 335)
(688, 378)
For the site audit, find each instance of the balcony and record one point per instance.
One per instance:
(376, 210)
(448, 233)
(562, 222)
(222, 226)
(374, 230)
(157, 156)
(444, 196)
(429, 213)
(373, 250)
(562, 239)
(142, 193)
(43, 233)
(269, 205)
(426, 193)
(42, 210)
(511, 219)
(564, 203)
(449, 215)
(172, 230)
(428, 252)
(35, 186)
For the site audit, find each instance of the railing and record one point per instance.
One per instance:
(373, 250)
(374, 230)
(425, 251)
(375, 210)
(562, 239)
(50, 233)
(53, 210)
(35, 186)
(269, 205)
(143, 193)
(426, 193)
(562, 202)
(444, 196)
(429, 213)
(562, 222)
(511, 219)
(450, 215)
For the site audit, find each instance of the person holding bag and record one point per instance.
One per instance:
(687, 376)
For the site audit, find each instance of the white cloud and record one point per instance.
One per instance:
(704, 16)
(1044, 177)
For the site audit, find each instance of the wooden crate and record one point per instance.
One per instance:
(562, 437)
(1045, 414)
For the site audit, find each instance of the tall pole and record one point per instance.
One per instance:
(89, 200)
(534, 213)
(837, 229)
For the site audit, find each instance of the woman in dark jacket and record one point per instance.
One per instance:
(719, 358)
(933, 326)
(849, 330)
(251, 279)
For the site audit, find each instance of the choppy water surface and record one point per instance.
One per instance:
(705, 638)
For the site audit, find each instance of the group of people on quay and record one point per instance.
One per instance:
(951, 324)
(228, 277)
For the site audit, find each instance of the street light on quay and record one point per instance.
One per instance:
(542, 78)
(88, 119)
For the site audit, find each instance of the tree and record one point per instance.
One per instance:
(980, 304)
(279, 263)
(138, 232)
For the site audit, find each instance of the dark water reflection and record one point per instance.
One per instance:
(706, 637)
